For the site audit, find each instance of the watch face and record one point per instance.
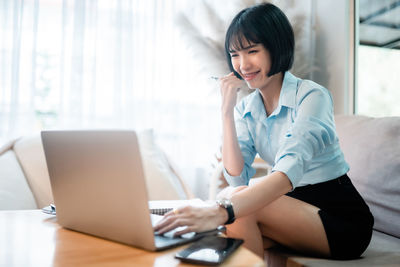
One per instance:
(225, 202)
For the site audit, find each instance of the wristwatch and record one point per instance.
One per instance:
(227, 204)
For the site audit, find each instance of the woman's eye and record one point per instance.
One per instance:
(253, 51)
(234, 55)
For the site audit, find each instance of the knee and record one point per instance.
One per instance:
(229, 191)
(239, 188)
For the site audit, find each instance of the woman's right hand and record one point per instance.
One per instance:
(229, 86)
(231, 153)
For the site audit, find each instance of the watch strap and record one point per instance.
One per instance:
(227, 204)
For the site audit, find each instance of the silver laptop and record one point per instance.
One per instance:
(99, 187)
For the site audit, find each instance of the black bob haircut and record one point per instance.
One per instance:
(262, 24)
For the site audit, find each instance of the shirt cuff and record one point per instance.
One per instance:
(292, 167)
(238, 180)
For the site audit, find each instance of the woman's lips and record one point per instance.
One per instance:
(250, 76)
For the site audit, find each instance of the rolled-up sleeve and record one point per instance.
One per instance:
(246, 145)
(311, 132)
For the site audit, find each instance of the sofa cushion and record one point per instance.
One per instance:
(14, 190)
(382, 251)
(371, 146)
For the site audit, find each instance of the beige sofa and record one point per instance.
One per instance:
(371, 147)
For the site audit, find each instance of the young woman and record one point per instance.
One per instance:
(307, 203)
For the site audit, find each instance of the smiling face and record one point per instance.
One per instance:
(253, 63)
(260, 42)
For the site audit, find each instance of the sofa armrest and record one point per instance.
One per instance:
(15, 192)
(30, 154)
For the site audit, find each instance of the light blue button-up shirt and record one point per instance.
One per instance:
(298, 138)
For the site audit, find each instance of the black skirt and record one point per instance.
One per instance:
(346, 217)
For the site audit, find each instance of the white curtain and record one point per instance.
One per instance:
(73, 64)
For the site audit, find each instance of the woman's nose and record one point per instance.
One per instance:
(244, 63)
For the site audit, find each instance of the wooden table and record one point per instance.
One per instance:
(32, 238)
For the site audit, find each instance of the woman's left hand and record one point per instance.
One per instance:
(196, 219)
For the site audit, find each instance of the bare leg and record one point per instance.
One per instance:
(295, 224)
(288, 221)
(246, 228)
(268, 243)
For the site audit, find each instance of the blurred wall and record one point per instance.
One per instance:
(334, 50)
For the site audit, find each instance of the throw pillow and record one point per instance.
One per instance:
(371, 146)
(161, 180)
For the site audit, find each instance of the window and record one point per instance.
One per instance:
(378, 79)
(106, 64)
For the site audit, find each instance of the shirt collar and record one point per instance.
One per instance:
(255, 105)
(288, 91)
